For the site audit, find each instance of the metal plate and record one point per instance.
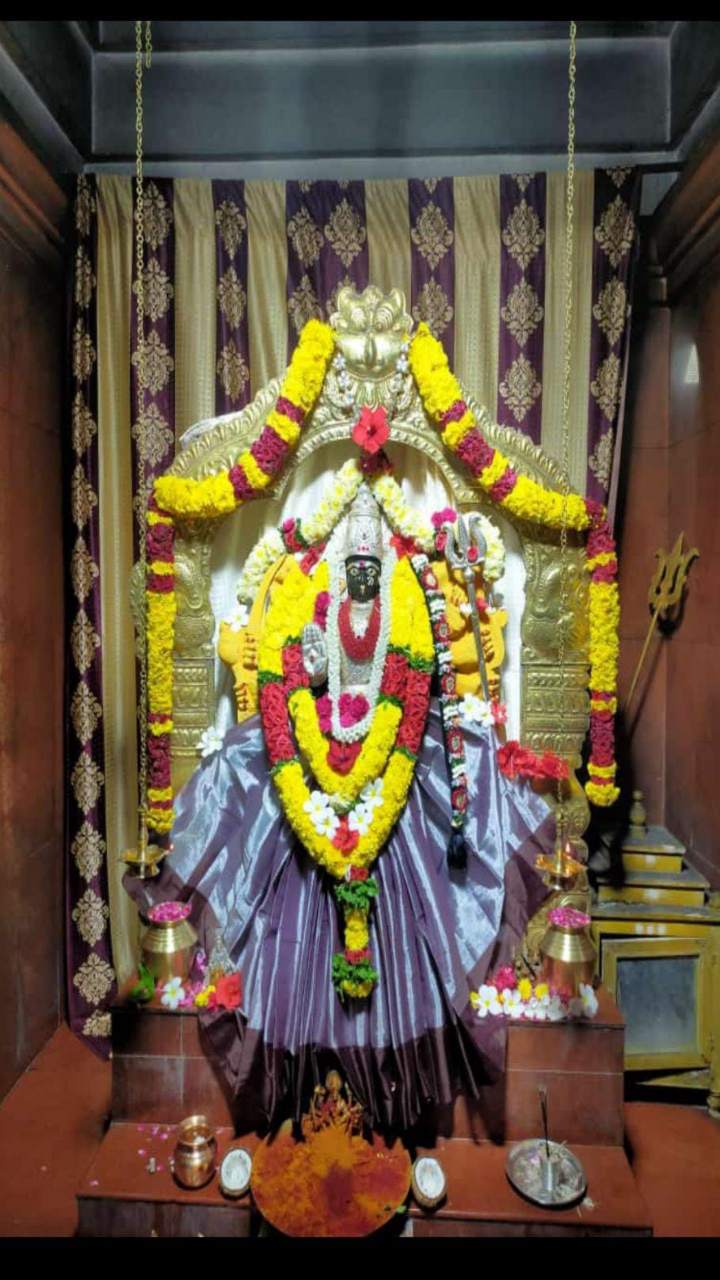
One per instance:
(525, 1165)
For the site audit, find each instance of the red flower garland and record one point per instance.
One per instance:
(341, 756)
(359, 648)
(516, 761)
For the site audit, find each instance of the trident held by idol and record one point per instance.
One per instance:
(466, 550)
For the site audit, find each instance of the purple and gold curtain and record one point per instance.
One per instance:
(327, 247)
(91, 977)
(231, 272)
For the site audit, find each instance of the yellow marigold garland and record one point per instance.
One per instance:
(294, 792)
(524, 498)
(176, 498)
(215, 496)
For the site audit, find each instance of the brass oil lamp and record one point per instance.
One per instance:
(562, 868)
(144, 862)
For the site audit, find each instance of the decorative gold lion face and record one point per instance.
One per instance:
(370, 328)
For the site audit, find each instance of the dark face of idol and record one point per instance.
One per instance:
(363, 577)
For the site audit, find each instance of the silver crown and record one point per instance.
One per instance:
(364, 526)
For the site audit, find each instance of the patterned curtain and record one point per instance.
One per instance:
(153, 429)
(522, 287)
(432, 221)
(232, 270)
(232, 371)
(90, 975)
(616, 191)
(327, 247)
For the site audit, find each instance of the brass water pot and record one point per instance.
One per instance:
(568, 957)
(195, 1152)
(167, 949)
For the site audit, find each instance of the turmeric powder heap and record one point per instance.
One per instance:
(332, 1183)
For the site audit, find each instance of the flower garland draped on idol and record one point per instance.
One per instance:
(362, 786)
(179, 498)
(361, 751)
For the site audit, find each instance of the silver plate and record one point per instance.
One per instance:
(525, 1166)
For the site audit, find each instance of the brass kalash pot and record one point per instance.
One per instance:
(169, 942)
(567, 950)
(195, 1152)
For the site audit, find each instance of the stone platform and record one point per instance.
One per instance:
(161, 1075)
(118, 1197)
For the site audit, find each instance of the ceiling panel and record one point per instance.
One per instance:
(119, 35)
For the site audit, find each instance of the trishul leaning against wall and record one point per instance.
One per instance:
(220, 462)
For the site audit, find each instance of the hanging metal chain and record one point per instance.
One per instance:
(567, 377)
(142, 492)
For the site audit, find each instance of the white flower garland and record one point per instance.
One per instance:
(323, 815)
(546, 1008)
(318, 526)
(402, 518)
(353, 732)
(263, 555)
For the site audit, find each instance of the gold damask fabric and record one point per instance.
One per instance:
(90, 973)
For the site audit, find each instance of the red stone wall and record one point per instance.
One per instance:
(31, 608)
(643, 527)
(692, 731)
(671, 478)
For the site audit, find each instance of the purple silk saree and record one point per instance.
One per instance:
(435, 934)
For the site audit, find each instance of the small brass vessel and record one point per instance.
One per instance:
(168, 947)
(568, 954)
(195, 1153)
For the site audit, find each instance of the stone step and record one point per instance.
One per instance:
(688, 878)
(641, 894)
(651, 917)
(685, 888)
(652, 862)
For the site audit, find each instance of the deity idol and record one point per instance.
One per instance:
(366, 960)
(353, 847)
